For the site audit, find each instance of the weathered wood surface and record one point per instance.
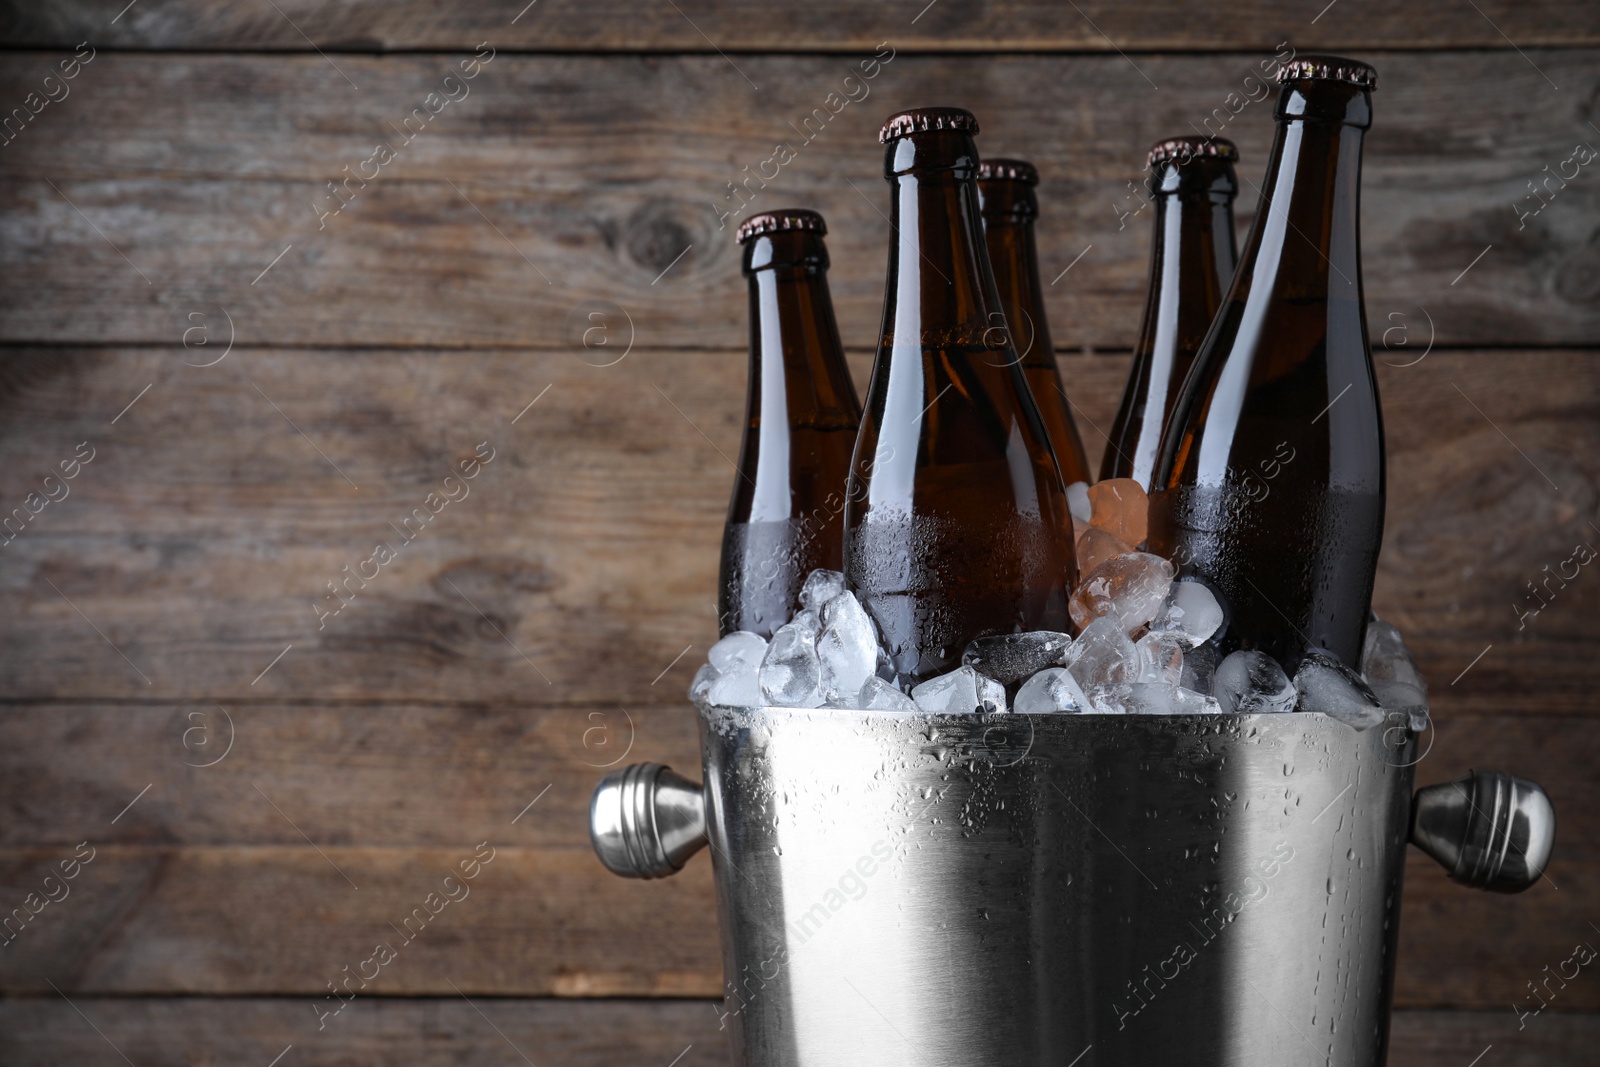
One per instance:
(1451, 1039)
(702, 26)
(169, 185)
(200, 540)
(271, 919)
(392, 776)
(206, 884)
(208, 1032)
(377, 1032)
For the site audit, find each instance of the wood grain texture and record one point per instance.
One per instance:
(561, 185)
(378, 1032)
(390, 776)
(1011, 25)
(398, 1032)
(288, 920)
(1451, 1039)
(199, 543)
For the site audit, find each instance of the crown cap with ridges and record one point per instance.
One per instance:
(1329, 68)
(1184, 149)
(792, 218)
(927, 120)
(1016, 170)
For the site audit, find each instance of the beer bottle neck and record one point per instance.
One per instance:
(1194, 254)
(1224, 250)
(797, 368)
(1305, 244)
(1009, 210)
(942, 289)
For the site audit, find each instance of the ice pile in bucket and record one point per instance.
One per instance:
(1144, 646)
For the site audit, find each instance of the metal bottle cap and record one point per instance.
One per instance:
(1329, 68)
(1183, 149)
(928, 120)
(1016, 170)
(789, 218)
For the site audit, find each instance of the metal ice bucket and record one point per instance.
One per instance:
(1070, 890)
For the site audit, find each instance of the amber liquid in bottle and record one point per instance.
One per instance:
(1009, 205)
(1271, 480)
(786, 517)
(1191, 262)
(956, 524)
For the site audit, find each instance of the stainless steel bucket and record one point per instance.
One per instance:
(1070, 890)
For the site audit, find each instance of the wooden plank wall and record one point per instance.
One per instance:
(539, 276)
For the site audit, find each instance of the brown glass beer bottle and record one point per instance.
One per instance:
(786, 516)
(1270, 485)
(956, 524)
(1006, 196)
(1191, 261)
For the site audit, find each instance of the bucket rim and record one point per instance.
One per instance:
(723, 713)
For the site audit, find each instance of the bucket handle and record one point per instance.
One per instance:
(645, 821)
(1490, 830)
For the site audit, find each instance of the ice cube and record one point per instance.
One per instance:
(1199, 668)
(847, 648)
(1388, 668)
(991, 696)
(1416, 716)
(886, 667)
(1384, 656)
(879, 695)
(1121, 508)
(1052, 689)
(739, 648)
(1078, 501)
(809, 620)
(1159, 698)
(1190, 609)
(1398, 695)
(820, 587)
(700, 688)
(737, 660)
(1327, 686)
(1010, 658)
(1408, 700)
(1128, 588)
(1102, 654)
(1161, 657)
(740, 689)
(1252, 683)
(1096, 546)
(1110, 699)
(957, 691)
(790, 673)
(1193, 703)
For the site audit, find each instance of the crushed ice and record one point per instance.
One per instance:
(1144, 647)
